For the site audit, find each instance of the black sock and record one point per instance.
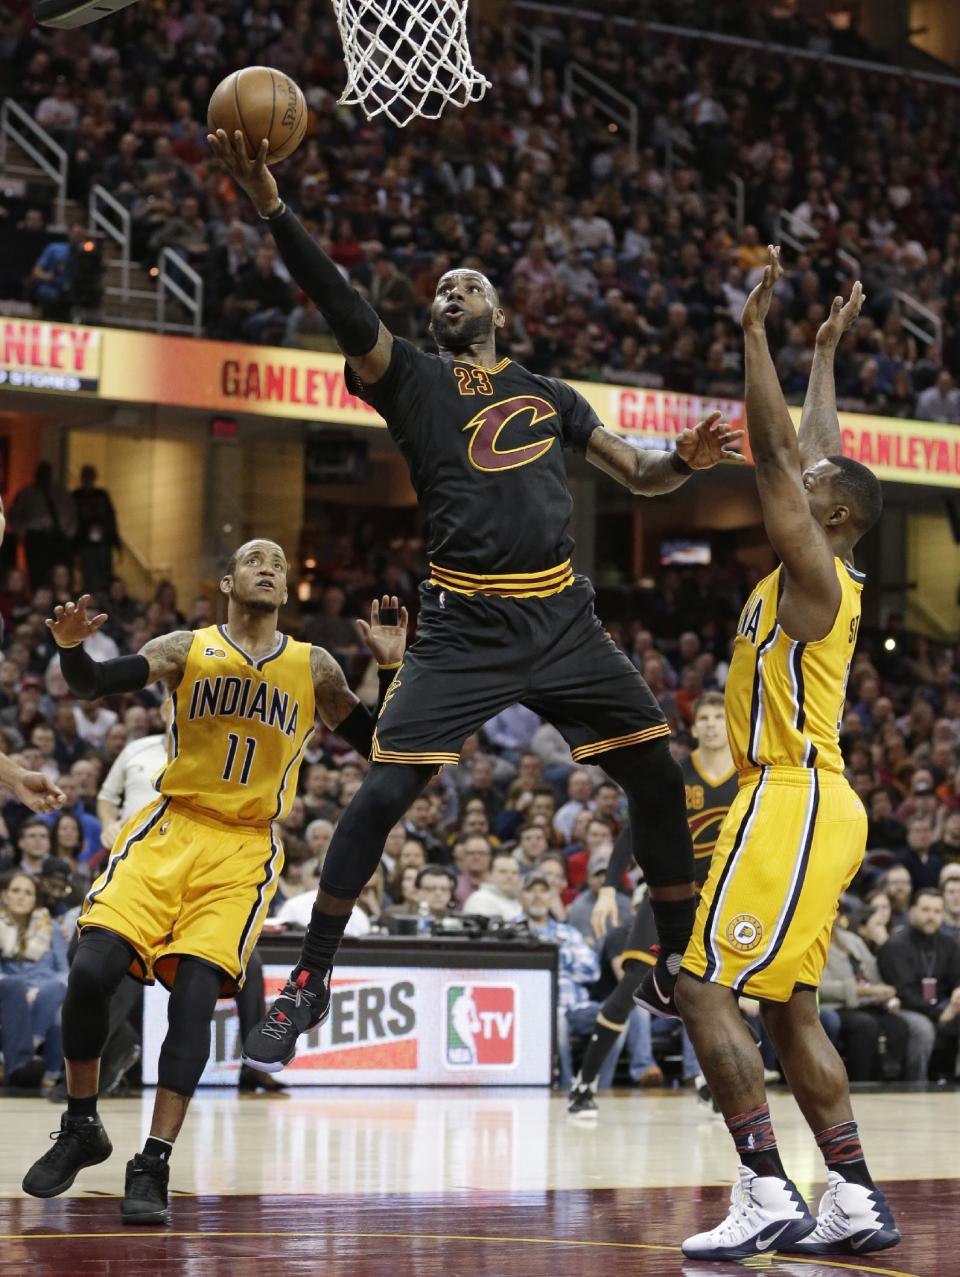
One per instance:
(85, 1107)
(156, 1147)
(320, 945)
(842, 1152)
(674, 919)
(598, 1048)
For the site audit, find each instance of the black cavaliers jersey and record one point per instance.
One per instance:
(708, 800)
(485, 452)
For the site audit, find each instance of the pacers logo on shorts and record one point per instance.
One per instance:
(480, 1026)
(745, 932)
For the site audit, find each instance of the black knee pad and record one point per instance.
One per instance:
(186, 1047)
(619, 1003)
(99, 966)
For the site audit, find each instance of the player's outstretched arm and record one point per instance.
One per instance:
(161, 659)
(338, 707)
(365, 342)
(650, 474)
(34, 789)
(819, 435)
(811, 592)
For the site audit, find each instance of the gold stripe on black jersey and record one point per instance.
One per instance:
(436, 759)
(515, 585)
(619, 742)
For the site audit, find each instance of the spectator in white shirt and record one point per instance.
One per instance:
(941, 401)
(499, 897)
(128, 786)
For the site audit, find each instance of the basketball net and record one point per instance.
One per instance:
(407, 58)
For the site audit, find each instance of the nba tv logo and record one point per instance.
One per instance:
(480, 1026)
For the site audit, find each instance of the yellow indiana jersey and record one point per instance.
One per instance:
(784, 699)
(238, 729)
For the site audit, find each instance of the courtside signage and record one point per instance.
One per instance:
(397, 1026)
(63, 358)
(481, 1026)
(301, 385)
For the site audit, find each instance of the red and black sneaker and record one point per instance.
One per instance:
(272, 1044)
(655, 993)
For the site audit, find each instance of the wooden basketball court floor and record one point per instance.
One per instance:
(440, 1183)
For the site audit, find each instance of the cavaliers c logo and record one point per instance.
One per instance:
(490, 421)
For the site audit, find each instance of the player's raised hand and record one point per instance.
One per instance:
(604, 914)
(387, 642)
(758, 303)
(38, 792)
(710, 441)
(70, 624)
(841, 316)
(251, 175)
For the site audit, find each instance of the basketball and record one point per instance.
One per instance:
(262, 103)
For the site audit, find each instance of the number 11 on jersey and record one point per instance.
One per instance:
(232, 751)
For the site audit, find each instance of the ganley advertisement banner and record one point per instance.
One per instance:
(304, 385)
(396, 1025)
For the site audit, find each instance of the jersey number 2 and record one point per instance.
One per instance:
(232, 751)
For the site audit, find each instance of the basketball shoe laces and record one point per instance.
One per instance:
(278, 1024)
(833, 1222)
(744, 1218)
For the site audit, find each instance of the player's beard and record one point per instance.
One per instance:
(462, 333)
(255, 604)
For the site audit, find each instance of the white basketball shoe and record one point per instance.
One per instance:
(852, 1220)
(766, 1214)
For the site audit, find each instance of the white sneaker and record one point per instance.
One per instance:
(766, 1214)
(851, 1221)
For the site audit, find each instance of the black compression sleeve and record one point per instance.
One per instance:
(357, 728)
(352, 320)
(89, 679)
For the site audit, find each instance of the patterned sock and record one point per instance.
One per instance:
(756, 1143)
(843, 1153)
(156, 1147)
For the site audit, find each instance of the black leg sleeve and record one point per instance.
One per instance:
(653, 783)
(187, 1044)
(387, 791)
(99, 966)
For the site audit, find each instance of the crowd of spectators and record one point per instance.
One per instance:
(515, 833)
(612, 265)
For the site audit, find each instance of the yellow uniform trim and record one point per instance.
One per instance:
(619, 742)
(394, 665)
(516, 585)
(639, 955)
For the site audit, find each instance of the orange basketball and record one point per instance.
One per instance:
(262, 103)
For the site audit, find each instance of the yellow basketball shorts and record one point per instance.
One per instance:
(183, 885)
(791, 843)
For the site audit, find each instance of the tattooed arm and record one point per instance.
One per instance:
(162, 658)
(649, 474)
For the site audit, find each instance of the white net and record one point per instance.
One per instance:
(407, 58)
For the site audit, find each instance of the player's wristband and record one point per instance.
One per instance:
(272, 217)
(679, 464)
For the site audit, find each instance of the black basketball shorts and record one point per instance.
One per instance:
(477, 654)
